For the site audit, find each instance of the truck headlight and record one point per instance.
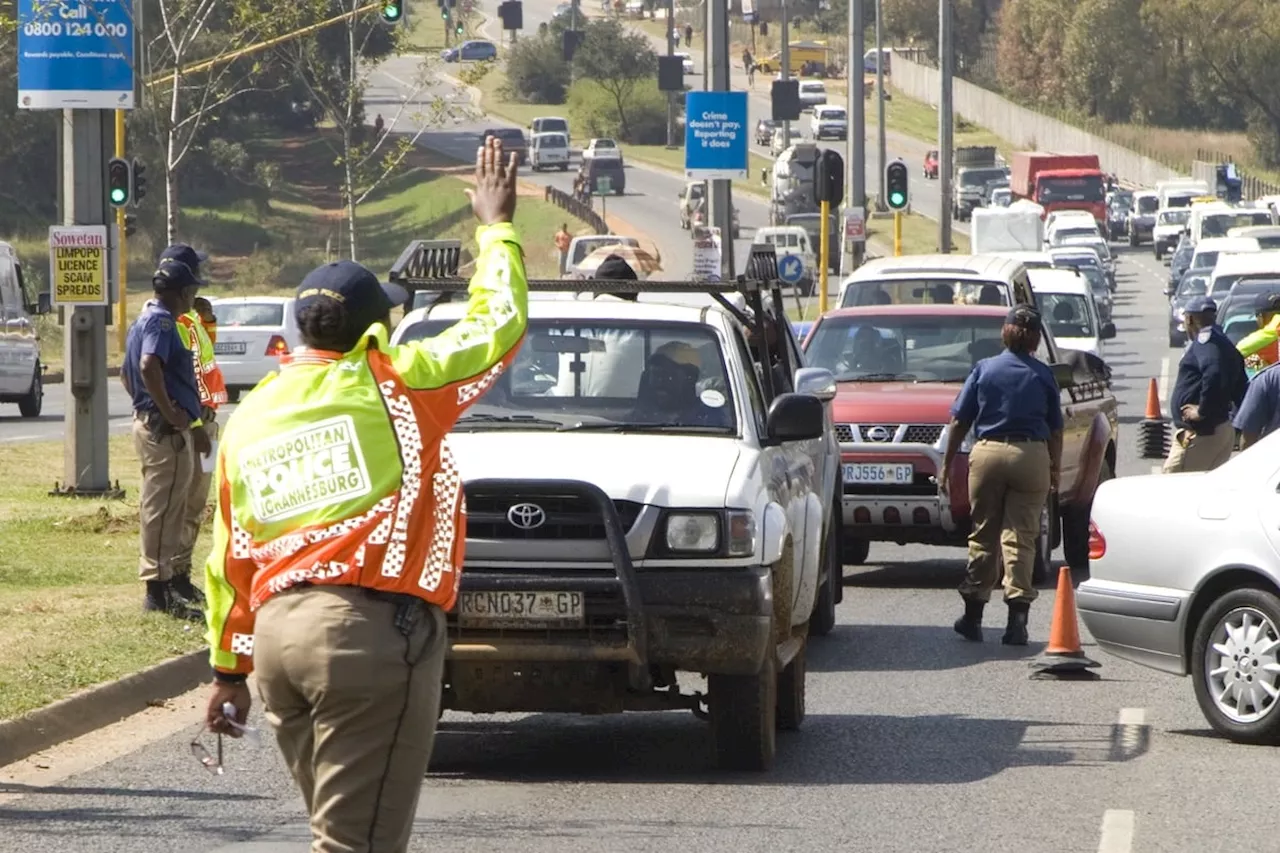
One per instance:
(693, 533)
(742, 532)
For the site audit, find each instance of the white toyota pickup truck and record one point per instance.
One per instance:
(640, 502)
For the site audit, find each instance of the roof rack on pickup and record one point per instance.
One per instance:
(432, 265)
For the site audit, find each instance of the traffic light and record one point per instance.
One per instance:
(670, 74)
(785, 96)
(569, 41)
(512, 14)
(895, 185)
(392, 11)
(130, 224)
(139, 182)
(458, 28)
(828, 180)
(119, 182)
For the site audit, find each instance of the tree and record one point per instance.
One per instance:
(335, 68)
(184, 33)
(29, 191)
(536, 70)
(1029, 50)
(617, 60)
(1102, 57)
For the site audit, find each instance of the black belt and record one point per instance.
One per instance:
(1011, 439)
(155, 422)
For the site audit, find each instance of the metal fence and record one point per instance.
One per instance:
(1250, 187)
(578, 209)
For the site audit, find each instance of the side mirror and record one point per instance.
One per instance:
(1063, 374)
(1108, 331)
(816, 381)
(44, 304)
(795, 417)
(1169, 291)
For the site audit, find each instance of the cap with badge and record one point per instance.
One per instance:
(187, 255)
(1267, 303)
(174, 275)
(1202, 305)
(1024, 317)
(353, 286)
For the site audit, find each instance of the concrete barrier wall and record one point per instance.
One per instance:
(1024, 128)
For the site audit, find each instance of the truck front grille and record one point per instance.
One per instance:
(542, 517)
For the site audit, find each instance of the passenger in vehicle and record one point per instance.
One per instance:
(990, 295)
(942, 294)
(668, 390)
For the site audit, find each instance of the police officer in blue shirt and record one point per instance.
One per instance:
(159, 374)
(1259, 414)
(1211, 381)
(1012, 402)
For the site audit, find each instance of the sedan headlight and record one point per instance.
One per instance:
(693, 533)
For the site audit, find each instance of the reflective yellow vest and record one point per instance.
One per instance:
(335, 470)
(209, 381)
(1261, 348)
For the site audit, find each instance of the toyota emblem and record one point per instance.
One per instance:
(526, 516)
(879, 433)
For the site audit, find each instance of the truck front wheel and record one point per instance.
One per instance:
(744, 717)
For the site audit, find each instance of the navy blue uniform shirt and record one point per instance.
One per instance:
(155, 332)
(1211, 375)
(1010, 395)
(1260, 412)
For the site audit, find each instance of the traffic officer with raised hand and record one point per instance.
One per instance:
(159, 374)
(1211, 383)
(1011, 401)
(338, 538)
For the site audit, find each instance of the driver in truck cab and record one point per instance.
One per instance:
(668, 391)
(338, 537)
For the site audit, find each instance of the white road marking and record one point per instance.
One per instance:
(1133, 717)
(1163, 385)
(1157, 469)
(1117, 831)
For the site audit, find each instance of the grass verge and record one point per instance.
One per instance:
(267, 249)
(70, 599)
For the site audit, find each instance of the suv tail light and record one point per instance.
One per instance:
(1097, 544)
(277, 346)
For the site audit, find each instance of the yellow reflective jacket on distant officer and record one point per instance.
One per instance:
(1261, 349)
(209, 381)
(335, 470)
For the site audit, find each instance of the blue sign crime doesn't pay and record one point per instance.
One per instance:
(75, 54)
(715, 135)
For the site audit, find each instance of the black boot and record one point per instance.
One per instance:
(186, 590)
(157, 598)
(1015, 632)
(969, 625)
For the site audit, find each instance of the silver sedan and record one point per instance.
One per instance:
(1185, 578)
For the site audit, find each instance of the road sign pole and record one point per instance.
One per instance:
(946, 57)
(85, 456)
(719, 193)
(122, 275)
(824, 249)
(855, 161)
(897, 233)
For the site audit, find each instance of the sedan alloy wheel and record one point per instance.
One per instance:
(1237, 665)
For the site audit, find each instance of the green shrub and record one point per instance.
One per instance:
(597, 112)
(536, 71)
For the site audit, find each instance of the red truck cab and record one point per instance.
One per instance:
(1061, 182)
(898, 369)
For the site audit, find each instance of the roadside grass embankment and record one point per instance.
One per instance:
(260, 248)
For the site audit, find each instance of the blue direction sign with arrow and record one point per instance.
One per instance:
(75, 54)
(791, 268)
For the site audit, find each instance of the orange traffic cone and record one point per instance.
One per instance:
(1153, 401)
(1064, 655)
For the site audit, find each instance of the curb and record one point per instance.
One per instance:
(100, 706)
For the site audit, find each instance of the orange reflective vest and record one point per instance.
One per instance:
(209, 381)
(335, 470)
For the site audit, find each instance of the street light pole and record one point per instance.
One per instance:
(855, 161)
(945, 154)
(882, 160)
(671, 96)
(786, 67)
(719, 191)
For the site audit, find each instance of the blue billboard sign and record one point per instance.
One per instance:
(715, 135)
(75, 54)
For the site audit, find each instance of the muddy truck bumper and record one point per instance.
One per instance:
(711, 620)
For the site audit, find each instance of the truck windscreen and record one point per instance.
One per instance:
(1088, 188)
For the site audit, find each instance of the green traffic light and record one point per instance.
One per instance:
(391, 11)
(896, 199)
(118, 196)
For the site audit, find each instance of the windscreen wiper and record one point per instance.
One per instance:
(647, 427)
(514, 420)
(885, 377)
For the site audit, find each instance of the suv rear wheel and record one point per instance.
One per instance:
(32, 403)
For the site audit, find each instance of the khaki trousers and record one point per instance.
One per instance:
(1008, 487)
(196, 501)
(167, 462)
(1203, 452)
(354, 704)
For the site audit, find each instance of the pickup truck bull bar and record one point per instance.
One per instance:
(944, 500)
(432, 266)
(636, 650)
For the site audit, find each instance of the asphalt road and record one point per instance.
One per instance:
(915, 741)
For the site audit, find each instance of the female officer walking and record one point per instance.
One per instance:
(1011, 401)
